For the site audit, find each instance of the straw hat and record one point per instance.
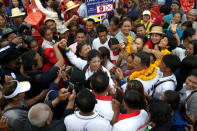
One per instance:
(48, 19)
(16, 12)
(156, 30)
(71, 5)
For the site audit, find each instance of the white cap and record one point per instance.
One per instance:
(146, 12)
(21, 87)
(62, 29)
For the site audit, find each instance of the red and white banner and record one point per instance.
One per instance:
(104, 8)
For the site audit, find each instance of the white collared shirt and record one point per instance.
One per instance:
(149, 85)
(47, 44)
(132, 122)
(104, 106)
(168, 85)
(80, 64)
(96, 44)
(77, 122)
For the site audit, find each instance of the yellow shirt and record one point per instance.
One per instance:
(147, 26)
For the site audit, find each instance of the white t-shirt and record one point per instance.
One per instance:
(136, 121)
(104, 106)
(149, 85)
(179, 52)
(96, 44)
(168, 85)
(77, 122)
(47, 44)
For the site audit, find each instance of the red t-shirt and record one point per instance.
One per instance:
(149, 44)
(159, 19)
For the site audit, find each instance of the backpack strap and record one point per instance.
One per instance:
(85, 68)
(156, 85)
(189, 96)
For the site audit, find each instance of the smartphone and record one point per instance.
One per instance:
(70, 87)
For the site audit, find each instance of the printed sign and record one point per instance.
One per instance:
(99, 6)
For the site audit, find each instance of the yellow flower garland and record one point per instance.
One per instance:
(129, 45)
(149, 73)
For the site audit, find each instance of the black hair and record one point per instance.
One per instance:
(99, 81)
(112, 41)
(188, 32)
(188, 24)
(28, 39)
(187, 64)
(1, 4)
(193, 72)
(124, 20)
(85, 101)
(160, 112)
(164, 9)
(134, 17)
(81, 30)
(12, 56)
(172, 61)
(101, 28)
(137, 85)
(104, 52)
(78, 79)
(120, 11)
(144, 39)
(116, 20)
(91, 20)
(79, 47)
(140, 25)
(93, 53)
(194, 43)
(72, 24)
(28, 60)
(43, 30)
(55, 5)
(172, 43)
(133, 98)
(145, 58)
(172, 98)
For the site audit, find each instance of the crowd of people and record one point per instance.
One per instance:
(127, 70)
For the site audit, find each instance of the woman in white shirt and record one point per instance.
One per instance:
(92, 64)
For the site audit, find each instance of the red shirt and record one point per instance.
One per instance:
(159, 19)
(149, 44)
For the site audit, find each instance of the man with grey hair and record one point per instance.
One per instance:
(40, 116)
(191, 16)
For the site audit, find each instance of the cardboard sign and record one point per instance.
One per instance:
(99, 6)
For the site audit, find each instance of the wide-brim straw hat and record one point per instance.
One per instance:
(71, 5)
(157, 30)
(16, 12)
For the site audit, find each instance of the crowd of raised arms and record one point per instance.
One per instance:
(131, 69)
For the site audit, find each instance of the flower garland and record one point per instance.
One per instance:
(149, 73)
(129, 45)
(146, 74)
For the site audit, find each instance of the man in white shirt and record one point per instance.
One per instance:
(80, 38)
(136, 119)
(168, 66)
(86, 119)
(100, 86)
(102, 39)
